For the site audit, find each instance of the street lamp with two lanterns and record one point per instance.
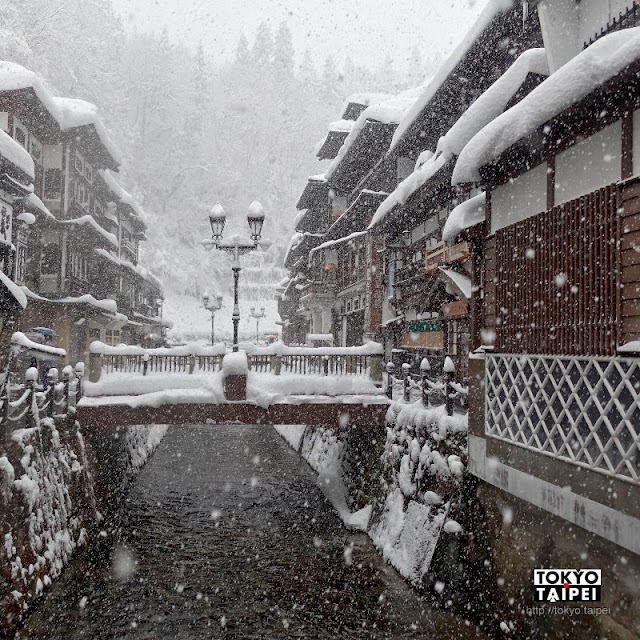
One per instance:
(237, 245)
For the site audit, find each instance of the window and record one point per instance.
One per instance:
(112, 337)
(50, 259)
(88, 172)
(79, 163)
(52, 184)
(21, 136)
(35, 148)
(98, 209)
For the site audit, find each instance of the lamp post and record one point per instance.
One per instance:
(237, 246)
(258, 315)
(212, 305)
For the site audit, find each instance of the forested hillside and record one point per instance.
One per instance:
(195, 130)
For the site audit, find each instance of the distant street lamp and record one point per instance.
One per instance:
(212, 305)
(258, 315)
(237, 245)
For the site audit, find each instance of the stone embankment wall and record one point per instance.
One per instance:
(58, 487)
(467, 545)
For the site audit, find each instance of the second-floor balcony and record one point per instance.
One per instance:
(130, 249)
(441, 254)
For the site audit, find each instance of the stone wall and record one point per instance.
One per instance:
(58, 488)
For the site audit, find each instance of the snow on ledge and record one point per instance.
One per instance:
(235, 364)
(20, 340)
(192, 349)
(594, 66)
(466, 215)
(281, 349)
(13, 152)
(14, 290)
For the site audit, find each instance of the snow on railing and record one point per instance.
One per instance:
(432, 391)
(56, 398)
(277, 358)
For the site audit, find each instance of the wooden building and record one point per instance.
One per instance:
(83, 221)
(556, 379)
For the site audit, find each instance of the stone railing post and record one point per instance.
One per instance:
(96, 361)
(30, 380)
(79, 375)
(52, 381)
(192, 363)
(449, 371)
(375, 368)
(234, 376)
(276, 364)
(406, 367)
(390, 371)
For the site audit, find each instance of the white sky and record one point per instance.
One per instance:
(366, 30)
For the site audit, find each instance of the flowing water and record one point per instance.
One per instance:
(225, 534)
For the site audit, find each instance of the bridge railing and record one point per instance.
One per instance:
(24, 405)
(276, 359)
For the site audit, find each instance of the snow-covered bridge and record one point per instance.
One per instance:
(271, 385)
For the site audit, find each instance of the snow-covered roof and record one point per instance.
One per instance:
(391, 110)
(409, 186)
(74, 113)
(143, 272)
(332, 243)
(494, 100)
(485, 109)
(592, 67)
(36, 203)
(68, 112)
(364, 99)
(464, 216)
(122, 194)
(492, 9)
(104, 305)
(16, 154)
(14, 290)
(90, 221)
(462, 282)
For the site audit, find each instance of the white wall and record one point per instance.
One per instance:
(521, 198)
(590, 164)
(595, 14)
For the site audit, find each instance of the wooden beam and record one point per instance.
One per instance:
(111, 415)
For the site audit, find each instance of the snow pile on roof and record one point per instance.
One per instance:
(68, 112)
(36, 203)
(494, 101)
(91, 222)
(16, 154)
(365, 99)
(331, 243)
(74, 113)
(14, 290)
(143, 272)
(461, 281)
(493, 8)
(389, 111)
(423, 157)
(409, 186)
(594, 66)
(121, 194)
(341, 126)
(105, 305)
(465, 215)
(20, 340)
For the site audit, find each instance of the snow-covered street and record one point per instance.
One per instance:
(225, 533)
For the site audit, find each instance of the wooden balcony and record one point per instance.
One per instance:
(441, 254)
(435, 256)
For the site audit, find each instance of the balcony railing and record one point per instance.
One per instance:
(441, 254)
(77, 286)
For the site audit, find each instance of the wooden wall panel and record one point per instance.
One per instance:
(629, 211)
(556, 289)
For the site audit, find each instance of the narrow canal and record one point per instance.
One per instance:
(225, 534)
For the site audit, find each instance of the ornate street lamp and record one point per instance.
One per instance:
(237, 245)
(212, 305)
(258, 315)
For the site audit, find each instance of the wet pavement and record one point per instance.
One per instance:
(225, 534)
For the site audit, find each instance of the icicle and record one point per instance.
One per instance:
(525, 12)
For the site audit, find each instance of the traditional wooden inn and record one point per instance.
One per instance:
(77, 264)
(555, 404)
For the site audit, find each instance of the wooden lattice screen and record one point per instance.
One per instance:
(555, 286)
